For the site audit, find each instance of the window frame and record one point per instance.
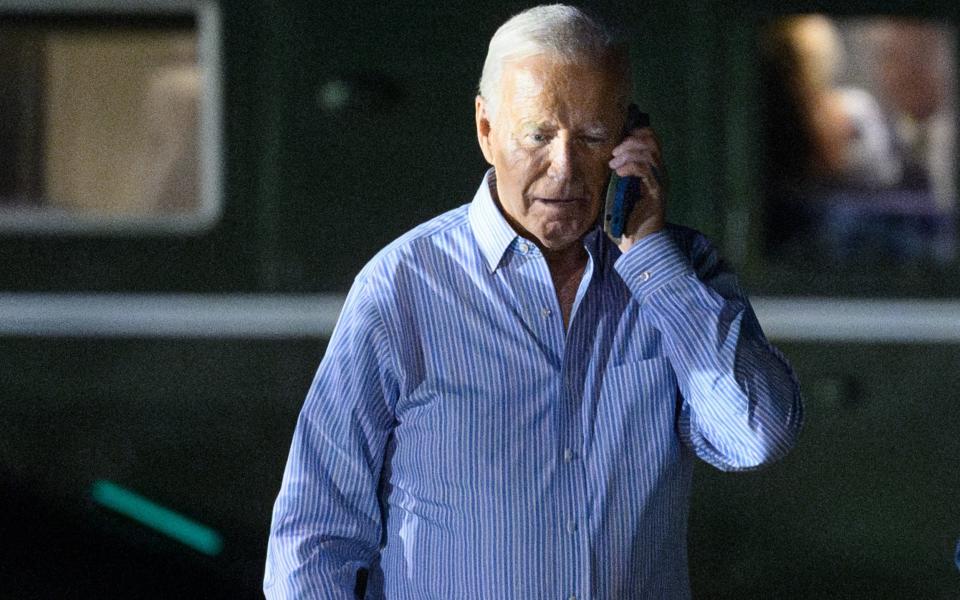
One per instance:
(208, 213)
(743, 229)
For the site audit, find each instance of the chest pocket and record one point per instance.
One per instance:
(642, 389)
(633, 339)
(638, 408)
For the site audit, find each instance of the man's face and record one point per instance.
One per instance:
(550, 141)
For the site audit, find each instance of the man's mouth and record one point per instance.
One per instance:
(559, 201)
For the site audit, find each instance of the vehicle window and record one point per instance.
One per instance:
(102, 123)
(860, 131)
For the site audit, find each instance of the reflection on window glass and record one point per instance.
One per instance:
(99, 119)
(860, 120)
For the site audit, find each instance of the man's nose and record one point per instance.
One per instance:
(562, 159)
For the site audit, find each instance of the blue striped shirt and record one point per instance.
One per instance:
(458, 443)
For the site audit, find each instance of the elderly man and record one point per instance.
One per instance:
(510, 404)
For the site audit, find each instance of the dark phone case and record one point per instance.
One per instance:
(624, 192)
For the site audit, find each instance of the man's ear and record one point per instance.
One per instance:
(483, 129)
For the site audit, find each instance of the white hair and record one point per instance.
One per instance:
(561, 32)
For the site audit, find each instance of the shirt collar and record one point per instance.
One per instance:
(494, 235)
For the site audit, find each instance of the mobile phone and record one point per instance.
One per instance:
(623, 193)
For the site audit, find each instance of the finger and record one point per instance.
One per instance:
(637, 156)
(635, 142)
(634, 145)
(648, 173)
(637, 169)
(644, 135)
(655, 168)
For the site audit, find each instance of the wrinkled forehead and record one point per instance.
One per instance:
(541, 83)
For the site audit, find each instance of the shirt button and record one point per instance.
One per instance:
(567, 455)
(524, 247)
(546, 312)
(572, 597)
(645, 276)
(572, 526)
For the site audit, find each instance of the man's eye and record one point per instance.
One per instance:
(538, 137)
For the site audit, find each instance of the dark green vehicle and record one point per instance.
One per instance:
(188, 188)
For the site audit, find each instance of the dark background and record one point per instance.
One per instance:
(867, 506)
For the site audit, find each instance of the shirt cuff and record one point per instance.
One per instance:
(651, 263)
